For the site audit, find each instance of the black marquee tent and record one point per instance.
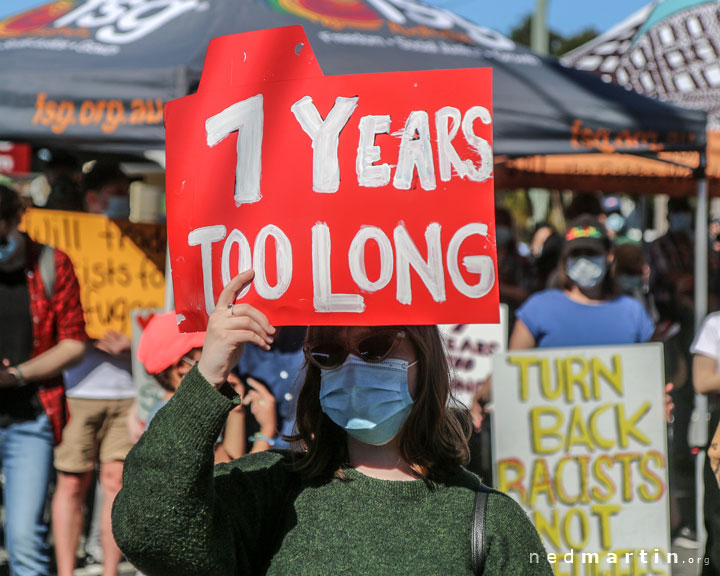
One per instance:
(95, 73)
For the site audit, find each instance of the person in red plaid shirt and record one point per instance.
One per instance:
(43, 332)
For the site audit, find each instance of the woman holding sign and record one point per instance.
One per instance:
(586, 310)
(379, 487)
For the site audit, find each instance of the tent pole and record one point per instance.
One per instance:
(701, 244)
(539, 37)
(699, 423)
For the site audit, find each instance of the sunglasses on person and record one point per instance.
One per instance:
(372, 348)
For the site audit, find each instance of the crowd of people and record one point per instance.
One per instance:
(384, 453)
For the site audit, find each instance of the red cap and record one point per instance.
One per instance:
(162, 344)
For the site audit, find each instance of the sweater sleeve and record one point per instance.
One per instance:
(176, 513)
(514, 546)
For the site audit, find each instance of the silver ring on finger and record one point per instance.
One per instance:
(231, 307)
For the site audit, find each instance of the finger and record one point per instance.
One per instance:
(237, 338)
(260, 388)
(249, 398)
(247, 323)
(234, 287)
(255, 314)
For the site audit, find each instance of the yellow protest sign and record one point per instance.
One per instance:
(119, 264)
(579, 437)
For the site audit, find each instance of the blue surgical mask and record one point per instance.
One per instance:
(9, 248)
(118, 208)
(586, 271)
(369, 401)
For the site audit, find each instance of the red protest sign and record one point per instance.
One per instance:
(358, 200)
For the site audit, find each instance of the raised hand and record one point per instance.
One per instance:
(262, 406)
(229, 327)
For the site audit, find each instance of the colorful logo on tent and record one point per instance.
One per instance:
(337, 14)
(97, 23)
(30, 22)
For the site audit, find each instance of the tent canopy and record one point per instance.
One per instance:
(668, 50)
(95, 73)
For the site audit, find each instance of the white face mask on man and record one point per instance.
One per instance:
(586, 271)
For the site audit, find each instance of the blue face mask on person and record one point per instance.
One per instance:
(8, 248)
(118, 208)
(370, 401)
(586, 271)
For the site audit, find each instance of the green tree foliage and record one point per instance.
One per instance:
(559, 44)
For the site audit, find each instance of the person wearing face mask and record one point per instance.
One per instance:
(671, 259)
(587, 310)
(672, 284)
(632, 275)
(514, 270)
(107, 190)
(42, 331)
(100, 395)
(375, 484)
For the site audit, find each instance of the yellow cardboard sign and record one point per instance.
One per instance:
(119, 264)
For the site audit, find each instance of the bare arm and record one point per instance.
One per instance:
(234, 443)
(706, 379)
(262, 406)
(714, 454)
(521, 338)
(53, 361)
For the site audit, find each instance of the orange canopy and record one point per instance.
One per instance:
(613, 172)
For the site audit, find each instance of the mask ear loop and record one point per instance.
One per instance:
(412, 364)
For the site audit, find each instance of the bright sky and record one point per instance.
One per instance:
(565, 16)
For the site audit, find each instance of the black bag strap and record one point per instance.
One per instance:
(477, 545)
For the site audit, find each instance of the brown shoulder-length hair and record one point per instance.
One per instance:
(434, 438)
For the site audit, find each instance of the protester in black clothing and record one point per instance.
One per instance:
(546, 248)
(43, 332)
(63, 177)
(671, 259)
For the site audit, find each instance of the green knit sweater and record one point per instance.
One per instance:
(176, 514)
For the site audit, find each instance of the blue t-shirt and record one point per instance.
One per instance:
(555, 320)
(283, 373)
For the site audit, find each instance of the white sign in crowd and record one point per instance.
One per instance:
(580, 443)
(470, 349)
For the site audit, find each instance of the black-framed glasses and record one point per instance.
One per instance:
(373, 348)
